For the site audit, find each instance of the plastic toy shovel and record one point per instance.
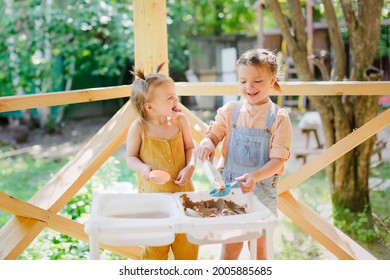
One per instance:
(212, 173)
(222, 192)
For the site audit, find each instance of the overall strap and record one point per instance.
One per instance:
(236, 111)
(271, 115)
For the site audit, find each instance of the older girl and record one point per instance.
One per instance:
(256, 137)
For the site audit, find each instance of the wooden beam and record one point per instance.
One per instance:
(342, 147)
(68, 181)
(334, 88)
(206, 89)
(198, 128)
(55, 222)
(150, 34)
(22, 228)
(289, 88)
(22, 102)
(325, 233)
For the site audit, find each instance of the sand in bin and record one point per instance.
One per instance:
(211, 208)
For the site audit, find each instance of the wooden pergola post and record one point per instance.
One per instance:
(150, 34)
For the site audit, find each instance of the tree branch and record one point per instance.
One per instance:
(373, 32)
(298, 23)
(380, 221)
(276, 10)
(338, 72)
(349, 14)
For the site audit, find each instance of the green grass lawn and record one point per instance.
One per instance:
(23, 176)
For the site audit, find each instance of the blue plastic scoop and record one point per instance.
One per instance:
(218, 192)
(220, 188)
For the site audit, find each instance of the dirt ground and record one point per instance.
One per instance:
(68, 138)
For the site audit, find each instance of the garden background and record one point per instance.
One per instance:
(91, 46)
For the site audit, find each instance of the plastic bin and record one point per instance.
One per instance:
(133, 219)
(153, 219)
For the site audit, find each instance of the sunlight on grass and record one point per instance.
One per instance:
(23, 176)
(291, 242)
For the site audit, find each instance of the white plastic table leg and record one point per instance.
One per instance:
(253, 249)
(269, 239)
(94, 248)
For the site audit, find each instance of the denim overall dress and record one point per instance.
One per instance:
(248, 150)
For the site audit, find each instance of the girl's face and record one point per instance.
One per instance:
(164, 102)
(255, 83)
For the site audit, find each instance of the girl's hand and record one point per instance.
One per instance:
(146, 172)
(205, 151)
(184, 176)
(248, 183)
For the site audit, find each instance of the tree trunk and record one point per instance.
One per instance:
(350, 173)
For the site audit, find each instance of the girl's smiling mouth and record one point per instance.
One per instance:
(252, 94)
(176, 109)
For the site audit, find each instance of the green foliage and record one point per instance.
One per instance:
(295, 244)
(43, 46)
(50, 245)
(382, 205)
(22, 176)
(188, 19)
(315, 193)
(51, 126)
(218, 17)
(381, 210)
(69, 39)
(355, 225)
(96, 34)
(361, 226)
(381, 170)
(384, 43)
(292, 243)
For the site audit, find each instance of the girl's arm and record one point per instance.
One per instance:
(188, 142)
(272, 167)
(186, 173)
(215, 133)
(133, 147)
(206, 150)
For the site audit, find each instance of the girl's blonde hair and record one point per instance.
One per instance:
(143, 85)
(258, 58)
